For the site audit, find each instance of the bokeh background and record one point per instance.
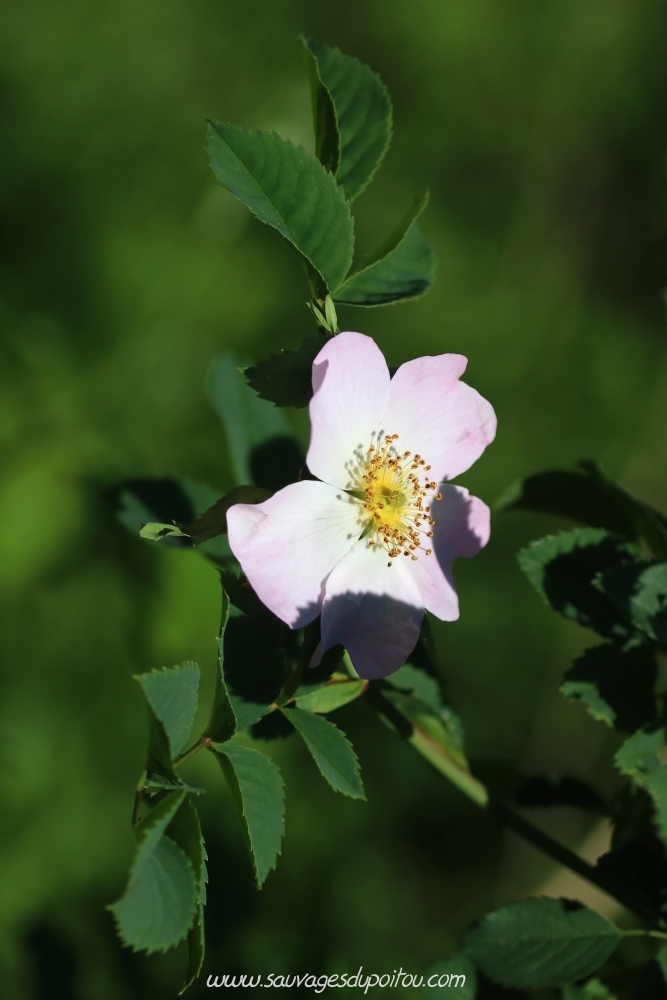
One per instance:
(124, 270)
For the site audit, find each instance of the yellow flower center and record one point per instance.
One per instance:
(392, 488)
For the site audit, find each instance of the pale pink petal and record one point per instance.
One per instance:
(351, 391)
(288, 545)
(436, 416)
(373, 609)
(462, 527)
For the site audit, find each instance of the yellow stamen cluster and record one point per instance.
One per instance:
(392, 488)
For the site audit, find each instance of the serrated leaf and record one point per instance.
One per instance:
(172, 694)
(441, 747)
(589, 496)
(541, 943)
(248, 420)
(563, 569)
(158, 906)
(402, 268)
(286, 187)
(363, 116)
(153, 531)
(616, 684)
(286, 379)
(325, 123)
(331, 751)
(640, 593)
(456, 972)
(332, 695)
(185, 831)
(559, 790)
(223, 723)
(257, 790)
(640, 758)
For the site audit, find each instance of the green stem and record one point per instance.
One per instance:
(204, 742)
(642, 933)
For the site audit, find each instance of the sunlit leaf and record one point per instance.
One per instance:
(257, 790)
(158, 907)
(361, 125)
(286, 187)
(172, 694)
(332, 695)
(331, 751)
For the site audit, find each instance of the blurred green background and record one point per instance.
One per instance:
(124, 270)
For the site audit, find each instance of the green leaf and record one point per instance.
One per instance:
(640, 758)
(431, 736)
(361, 124)
(402, 268)
(334, 694)
(640, 592)
(563, 569)
(541, 943)
(257, 790)
(427, 690)
(594, 989)
(172, 695)
(286, 187)
(456, 972)
(286, 379)
(185, 831)
(248, 421)
(589, 496)
(331, 751)
(222, 723)
(616, 684)
(153, 531)
(158, 907)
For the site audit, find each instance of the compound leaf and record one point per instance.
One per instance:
(331, 751)
(352, 141)
(541, 943)
(289, 189)
(257, 790)
(185, 831)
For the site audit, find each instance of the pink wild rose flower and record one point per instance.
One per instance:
(372, 543)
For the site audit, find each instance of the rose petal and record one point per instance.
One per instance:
(351, 391)
(288, 545)
(372, 609)
(462, 528)
(436, 416)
